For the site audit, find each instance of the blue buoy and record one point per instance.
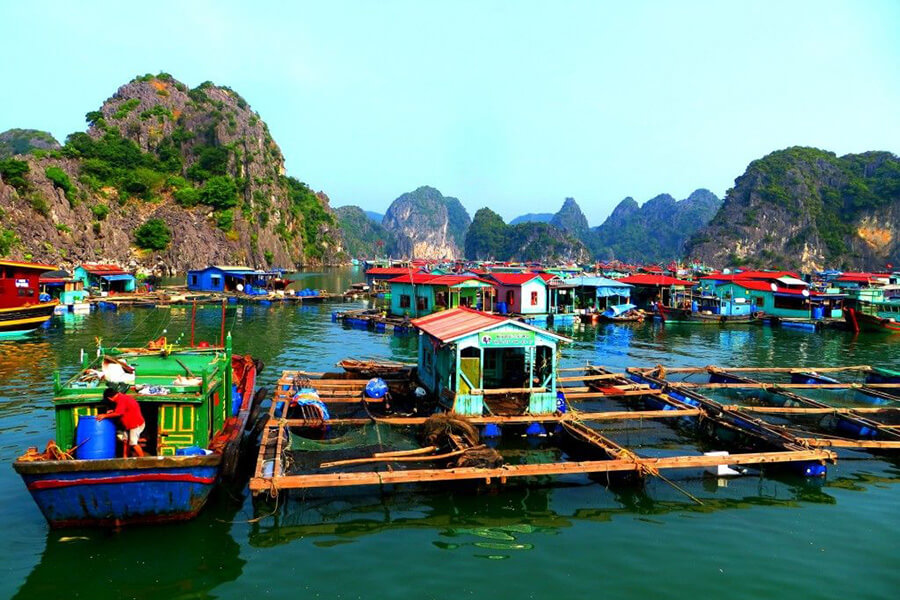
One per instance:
(492, 430)
(536, 429)
(376, 388)
(95, 439)
(236, 400)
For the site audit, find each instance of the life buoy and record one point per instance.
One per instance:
(754, 314)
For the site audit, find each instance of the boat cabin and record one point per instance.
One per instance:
(109, 279)
(474, 361)
(182, 395)
(421, 294)
(20, 283)
(781, 301)
(68, 291)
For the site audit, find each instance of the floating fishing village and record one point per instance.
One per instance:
(446, 300)
(487, 375)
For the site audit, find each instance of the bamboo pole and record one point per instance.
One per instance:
(802, 386)
(376, 459)
(842, 443)
(706, 369)
(328, 480)
(790, 410)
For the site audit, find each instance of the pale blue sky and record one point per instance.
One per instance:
(512, 105)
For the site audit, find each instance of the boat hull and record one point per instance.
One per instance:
(23, 319)
(115, 492)
(861, 321)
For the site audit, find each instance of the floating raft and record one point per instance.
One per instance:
(375, 320)
(378, 441)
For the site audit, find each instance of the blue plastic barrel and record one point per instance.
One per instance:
(501, 308)
(236, 400)
(376, 388)
(95, 439)
(818, 312)
(694, 306)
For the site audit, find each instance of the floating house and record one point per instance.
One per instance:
(474, 361)
(560, 294)
(520, 293)
(420, 294)
(377, 277)
(68, 291)
(649, 289)
(223, 278)
(781, 301)
(111, 279)
(595, 292)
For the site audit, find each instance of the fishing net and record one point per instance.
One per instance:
(308, 454)
(438, 429)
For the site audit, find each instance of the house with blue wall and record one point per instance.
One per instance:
(225, 278)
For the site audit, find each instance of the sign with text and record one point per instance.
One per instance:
(506, 339)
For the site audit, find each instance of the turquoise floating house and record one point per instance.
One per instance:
(421, 294)
(776, 294)
(475, 362)
(111, 279)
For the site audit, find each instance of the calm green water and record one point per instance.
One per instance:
(752, 538)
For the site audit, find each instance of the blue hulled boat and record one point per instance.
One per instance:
(197, 404)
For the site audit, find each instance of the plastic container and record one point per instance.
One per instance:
(95, 439)
(190, 451)
(501, 308)
(236, 400)
(376, 388)
(818, 312)
(694, 306)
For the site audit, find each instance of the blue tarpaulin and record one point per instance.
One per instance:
(123, 277)
(604, 285)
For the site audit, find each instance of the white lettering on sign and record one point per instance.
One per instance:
(21, 283)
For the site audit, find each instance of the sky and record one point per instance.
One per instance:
(511, 105)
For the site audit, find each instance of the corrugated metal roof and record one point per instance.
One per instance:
(231, 268)
(595, 281)
(647, 279)
(515, 278)
(27, 265)
(452, 324)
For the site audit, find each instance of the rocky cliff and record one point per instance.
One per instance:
(570, 219)
(426, 224)
(489, 238)
(23, 141)
(656, 231)
(200, 160)
(805, 208)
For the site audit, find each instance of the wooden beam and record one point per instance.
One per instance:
(757, 369)
(590, 377)
(791, 410)
(501, 391)
(622, 415)
(802, 386)
(842, 443)
(258, 484)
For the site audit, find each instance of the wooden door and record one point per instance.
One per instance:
(471, 368)
(176, 427)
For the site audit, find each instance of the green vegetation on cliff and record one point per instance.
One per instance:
(23, 141)
(490, 238)
(363, 237)
(808, 208)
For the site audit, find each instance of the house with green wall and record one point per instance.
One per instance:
(419, 294)
(472, 360)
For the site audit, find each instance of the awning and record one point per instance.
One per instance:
(792, 281)
(122, 277)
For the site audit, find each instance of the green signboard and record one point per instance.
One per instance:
(506, 339)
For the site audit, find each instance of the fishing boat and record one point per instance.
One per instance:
(710, 310)
(197, 404)
(622, 313)
(21, 307)
(874, 309)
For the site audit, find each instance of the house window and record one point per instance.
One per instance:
(216, 281)
(534, 298)
(421, 303)
(440, 299)
(193, 280)
(404, 301)
(510, 297)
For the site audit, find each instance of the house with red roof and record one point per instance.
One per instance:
(105, 278)
(416, 294)
(648, 289)
(470, 360)
(521, 293)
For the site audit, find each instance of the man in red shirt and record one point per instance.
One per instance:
(128, 411)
